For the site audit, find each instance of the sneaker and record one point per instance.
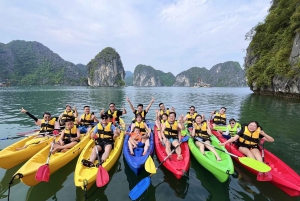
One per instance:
(87, 163)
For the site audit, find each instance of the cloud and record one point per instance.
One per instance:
(168, 35)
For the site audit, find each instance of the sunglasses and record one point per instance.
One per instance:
(111, 106)
(104, 118)
(232, 122)
(192, 109)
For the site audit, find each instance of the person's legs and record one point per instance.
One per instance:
(246, 152)
(130, 148)
(256, 154)
(201, 147)
(147, 145)
(107, 149)
(93, 155)
(212, 150)
(177, 150)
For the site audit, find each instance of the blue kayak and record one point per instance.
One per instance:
(136, 162)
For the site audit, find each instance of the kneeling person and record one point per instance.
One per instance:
(70, 136)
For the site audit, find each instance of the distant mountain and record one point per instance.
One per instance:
(32, 63)
(128, 78)
(128, 74)
(189, 77)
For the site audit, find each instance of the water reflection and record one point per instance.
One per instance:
(4, 183)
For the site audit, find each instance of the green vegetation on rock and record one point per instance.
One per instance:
(272, 42)
(166, 79)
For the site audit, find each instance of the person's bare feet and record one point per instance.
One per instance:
(218, 159)
(179, 157)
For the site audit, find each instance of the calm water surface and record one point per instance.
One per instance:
(279, 117)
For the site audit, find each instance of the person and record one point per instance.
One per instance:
(232, 129)
(86, 120)
(138, 139)
(69, 137)
(219, 118)
(114, 112)
(171, 134)
(190, 117)
(159, 122)
(163, 109)
(47, 126)
(67, 114)
(201, 132)
(139, 109)
(248, 138)
(105, 134)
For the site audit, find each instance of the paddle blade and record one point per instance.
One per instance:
(43, 173)
(186, 138)
(255, 164)
(102, 177)
(150, 166)
(140, 188)
(264, 176)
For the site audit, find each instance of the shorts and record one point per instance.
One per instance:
(68, 141)
(171, 140)
(103, 144)
(239, 144)
(203, 139)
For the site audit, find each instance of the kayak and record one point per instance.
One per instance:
(283, 176)
(57, 160)
(220, 169)
(136, 162)
(10, 157)
(86, 176)
(178, 168)
(220, 128)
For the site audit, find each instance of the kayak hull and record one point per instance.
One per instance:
(136, 162)
(57, 160)
(283, 176)
(178, 168)
(220, 169)
(10, 157)
(85, 176)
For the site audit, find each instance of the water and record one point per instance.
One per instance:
(278, 117)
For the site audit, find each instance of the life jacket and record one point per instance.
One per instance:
(161, 112)
(70, 133)
(233, 131)
(67, 115)
(202, 131)
(163, 121)
(250, 138)
(47, 127)
(143, 114)
(105, 133)
(142, 127)
(190, 119)
(86, 119)
(171, 130)
(136, 137)
(220, 118)
(115, 115)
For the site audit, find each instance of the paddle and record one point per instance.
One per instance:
(16, 137)
(250, 162)
(261, 176)
(144, 184)
(102, 175)
(150, 166)
(28, 132)
(43, 173)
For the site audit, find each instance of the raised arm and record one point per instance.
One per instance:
(131, 106)
(124, 110)
(150, 104)
(266, 136)
(75, 112)
(208, 127)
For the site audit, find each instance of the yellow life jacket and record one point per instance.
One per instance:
(161, 112)
(220, 118)
(201, 131)
(142, 127)
(70, 133)
(190, 119)
(171, 130)
(86, 119)
(67, 115)
(115, 115)
(46, 127)
(250, 138)
(233, 131)
(105, 133)
(143, 114)
(163, 121)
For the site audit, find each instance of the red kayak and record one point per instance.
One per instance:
(178, 168)
(283, 176)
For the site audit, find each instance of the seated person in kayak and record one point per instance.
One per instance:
(114, 112)
(201, 133)
(137, 139)
(159, 122)
(69, 137)
(67, 115)
(104, 134)
(189, 118)
(86, 120)
(163, 109)
(47, 126)
(232, 129)
(171, 134)
(248, 138)
(219, 118)
(140, 109)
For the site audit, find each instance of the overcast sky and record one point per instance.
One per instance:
(169, 35)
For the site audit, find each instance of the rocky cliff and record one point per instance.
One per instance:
(145, 76)
(32, 63)
(272, 60)
(189, 77)
(106, 69)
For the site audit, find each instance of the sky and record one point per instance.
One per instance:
(169, 35)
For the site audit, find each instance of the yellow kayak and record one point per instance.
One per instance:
(10, 157)
(87, 176)
(57, 160)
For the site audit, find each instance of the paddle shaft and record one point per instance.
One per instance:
(98, 157)
(51, 149)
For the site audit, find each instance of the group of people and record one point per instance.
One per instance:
(168, 130)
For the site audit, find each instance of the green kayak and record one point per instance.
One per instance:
(220, 128)
(220, 169)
